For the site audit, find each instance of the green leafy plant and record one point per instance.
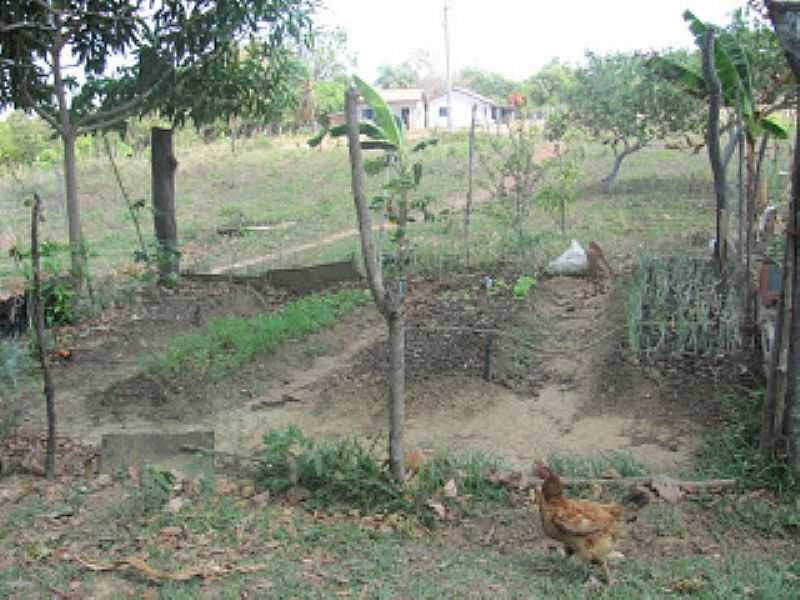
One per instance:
(522, 286)
(345, 474)
(677, 308)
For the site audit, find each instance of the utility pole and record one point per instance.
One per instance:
(449, 76)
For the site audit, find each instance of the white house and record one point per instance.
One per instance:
(488, 112)
(408, 104)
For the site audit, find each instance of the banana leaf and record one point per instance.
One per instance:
(368, 129)
(733, 68)
(378, 145)
(383, 115)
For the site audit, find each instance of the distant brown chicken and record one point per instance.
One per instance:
(587, 529)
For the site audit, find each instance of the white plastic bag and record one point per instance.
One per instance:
(572, 262)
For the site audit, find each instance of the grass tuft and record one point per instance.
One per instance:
(343, 474)
(230, 342)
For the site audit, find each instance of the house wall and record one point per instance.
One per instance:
(416, 115)
(462, 111)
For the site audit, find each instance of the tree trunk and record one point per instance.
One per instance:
(750, 193)
(774, 407)
(77, 254)
(468, 206)
(390, 307)
(397, 385)
(163, 167)
(740, 192)
(714, 152)
(41, 340)
(791, 414)
(606, 182)
(785, 17)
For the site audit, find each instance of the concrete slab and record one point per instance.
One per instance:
(118, 451)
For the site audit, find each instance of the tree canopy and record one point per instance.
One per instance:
(487, 83)
(87, 65)
(618, 98)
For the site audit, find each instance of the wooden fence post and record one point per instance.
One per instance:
(163, 166)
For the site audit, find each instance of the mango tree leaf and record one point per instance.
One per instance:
(383, 115)
(424, 144)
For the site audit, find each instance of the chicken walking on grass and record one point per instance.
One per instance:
(588, 529)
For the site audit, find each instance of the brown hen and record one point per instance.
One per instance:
(587, 529)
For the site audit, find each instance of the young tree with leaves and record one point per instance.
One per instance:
(400, 199)
(55, 59)
(619, 100)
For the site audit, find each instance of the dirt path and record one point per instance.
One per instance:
(453, 202)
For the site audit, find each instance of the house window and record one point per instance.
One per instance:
(442, 111)
(367, 114)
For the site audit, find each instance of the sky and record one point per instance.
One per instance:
(513, 37)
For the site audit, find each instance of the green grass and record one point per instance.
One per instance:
(230, 342)
(596, 465)
(659, 193)
(769, 500)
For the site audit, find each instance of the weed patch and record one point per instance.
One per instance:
(230, 342)
(344, 474)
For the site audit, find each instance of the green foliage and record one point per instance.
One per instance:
(523, 286)
(551, 86)
(732, 451)
(154, 490)
(230, 342)
(24, 141)
(678, 308)
(511, 169)
(616, 97)
(344, 474)
(58, 291)
(487, 83)
(748, 61)
(560, 187)
(591, 467)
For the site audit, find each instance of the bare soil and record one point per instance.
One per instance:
(558, 378)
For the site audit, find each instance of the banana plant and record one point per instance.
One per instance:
(733, 69)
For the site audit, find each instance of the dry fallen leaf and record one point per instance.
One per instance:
(450, 489)
(438, 508)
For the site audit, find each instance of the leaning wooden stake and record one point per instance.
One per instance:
(41, 341)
